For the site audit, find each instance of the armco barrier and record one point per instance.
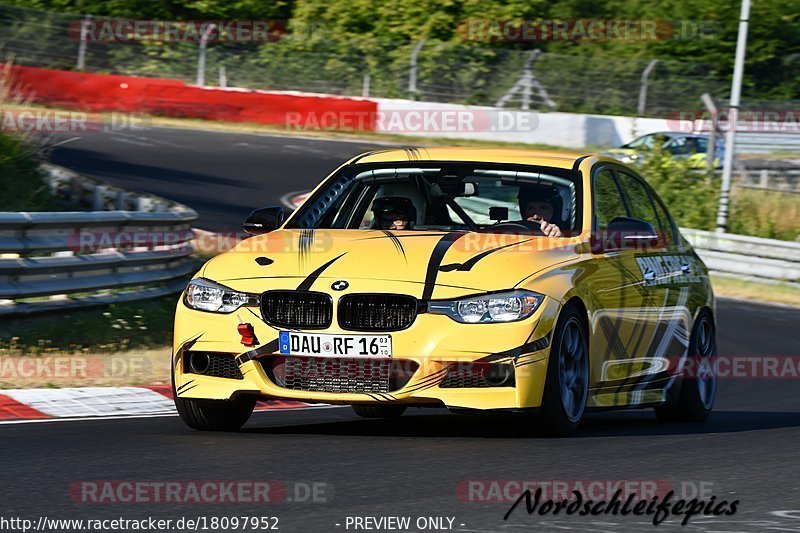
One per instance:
(166, 97)
(746, 256)
(62, 260)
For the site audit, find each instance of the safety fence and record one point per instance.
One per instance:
(138, 249)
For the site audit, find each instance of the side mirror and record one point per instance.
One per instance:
(625, 233)
(264, 220)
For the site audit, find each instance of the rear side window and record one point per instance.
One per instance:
(667, 224)
(639, 201)
(608, 203)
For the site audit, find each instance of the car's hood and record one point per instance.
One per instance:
(429, 260)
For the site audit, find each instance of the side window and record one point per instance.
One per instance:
(638, 200)
(608, 204)
(667, 224)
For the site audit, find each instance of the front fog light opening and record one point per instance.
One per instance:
(498, 375)
(199, 362)
(479, 375)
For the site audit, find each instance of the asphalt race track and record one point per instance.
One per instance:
(222, 176)
(748, 450)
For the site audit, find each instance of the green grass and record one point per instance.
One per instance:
(22, 186)
(107, 329)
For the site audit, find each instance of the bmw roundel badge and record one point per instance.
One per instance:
(340, 285)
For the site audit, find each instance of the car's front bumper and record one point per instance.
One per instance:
(434, 342)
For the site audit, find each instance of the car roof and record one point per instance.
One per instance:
(673, 134)
(564, 160)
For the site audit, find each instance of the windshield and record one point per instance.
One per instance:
(444, 196)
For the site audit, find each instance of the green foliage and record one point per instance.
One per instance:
(700, 31)
(692, 199)
(22, 187)
(690, 195)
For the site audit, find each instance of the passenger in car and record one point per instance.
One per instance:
(394, 213)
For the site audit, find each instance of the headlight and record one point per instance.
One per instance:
(205, 295)
(629, 158)
(499, 307)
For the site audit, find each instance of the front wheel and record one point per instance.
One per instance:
(379, 411)
(698, 390)
(567, 386)
(213, 415)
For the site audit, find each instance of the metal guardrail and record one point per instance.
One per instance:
(767, 143)
(61, 260)
(747, 257)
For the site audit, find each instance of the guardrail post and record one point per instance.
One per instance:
(98, 201)
(144, 204)
(121, 201)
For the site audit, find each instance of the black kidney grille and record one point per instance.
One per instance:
(377, 312)
(297, 309)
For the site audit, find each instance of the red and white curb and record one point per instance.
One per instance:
(36, 405)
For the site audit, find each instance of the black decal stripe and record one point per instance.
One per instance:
(187, 345)
(397, 244)
(435, 261)
(528, 347)
(472, 261)
(309, 281)
(184, 385)
(406, 236)
(304, 243)
(426, 386)
(431, 377)
(187, 390)
(429, 381)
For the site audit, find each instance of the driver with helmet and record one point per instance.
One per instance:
(541, 205)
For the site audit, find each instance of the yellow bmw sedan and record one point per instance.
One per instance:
(481, 280)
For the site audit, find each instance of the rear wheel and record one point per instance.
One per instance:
(379, 411)
(698, 390)
(213, 415)
(567, 386)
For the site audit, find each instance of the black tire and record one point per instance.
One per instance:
(566, 387)
(694, 400)
(379, 411)
(214, 415)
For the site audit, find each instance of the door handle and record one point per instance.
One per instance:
(649, 276)
(685, 268)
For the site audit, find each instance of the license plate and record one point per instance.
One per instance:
(328, 345)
